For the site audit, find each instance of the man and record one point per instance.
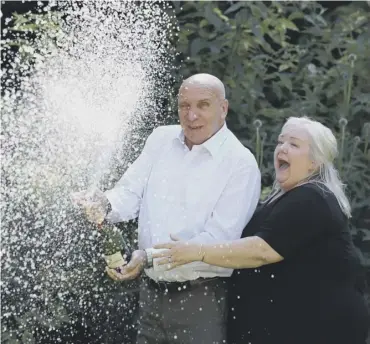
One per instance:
(196, 182)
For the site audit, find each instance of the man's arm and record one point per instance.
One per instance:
(125, 198)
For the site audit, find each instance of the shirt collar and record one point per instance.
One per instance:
(213, 144)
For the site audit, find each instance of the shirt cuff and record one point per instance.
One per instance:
(113, 215)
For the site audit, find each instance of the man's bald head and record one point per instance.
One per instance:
(207, 81)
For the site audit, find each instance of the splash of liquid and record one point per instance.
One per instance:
(84, 92)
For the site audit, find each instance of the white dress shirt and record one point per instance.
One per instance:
(206, 194)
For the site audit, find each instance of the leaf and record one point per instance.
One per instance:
(284, 66)
(220, 15)
(189, 6)
(212, 18)
(242, 119)
(19, 18)
(203, 23)
(25, 27)
(264, 11)
(256, 11)
(321, 20)
(296, 15)
(196, 45)
(257, 30)
(275, 37)
(190, 27)
(268, 112)
(287, 24)
(242, 17)
(231, 82)
(286, 81)
(235, 7)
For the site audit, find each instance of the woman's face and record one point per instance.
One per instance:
(292, 159)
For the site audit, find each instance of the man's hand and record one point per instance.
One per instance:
(93, 202)
(130, 271)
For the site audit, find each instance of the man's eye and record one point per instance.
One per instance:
(280, 142)
(294, 144)
(203, 105)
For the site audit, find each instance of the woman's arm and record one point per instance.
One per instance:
(296, 221)
(250, 252)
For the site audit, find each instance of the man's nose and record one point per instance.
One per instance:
(192, 116)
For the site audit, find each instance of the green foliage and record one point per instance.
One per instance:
(289, 59)
(27, 27)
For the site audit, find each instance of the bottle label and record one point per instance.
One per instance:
(115, 260)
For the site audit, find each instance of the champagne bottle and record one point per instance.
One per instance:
(113, 245)
(95, 210)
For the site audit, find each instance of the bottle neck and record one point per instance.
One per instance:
(103, 224)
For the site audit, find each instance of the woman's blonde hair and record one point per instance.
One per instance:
(323, 150)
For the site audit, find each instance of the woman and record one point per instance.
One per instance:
(295, 265)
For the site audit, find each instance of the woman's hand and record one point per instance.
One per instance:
(179, 253)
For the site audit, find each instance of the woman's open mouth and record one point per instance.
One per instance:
(283, 164)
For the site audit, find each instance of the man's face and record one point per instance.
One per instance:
(202, 113)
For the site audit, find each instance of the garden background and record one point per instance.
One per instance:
(277, 59)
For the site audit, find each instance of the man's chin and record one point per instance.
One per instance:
(192, 136)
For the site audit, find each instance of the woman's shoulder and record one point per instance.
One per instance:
(311, 190)
(314, 198)
(305, 198)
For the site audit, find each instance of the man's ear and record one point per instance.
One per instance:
(225, 108)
